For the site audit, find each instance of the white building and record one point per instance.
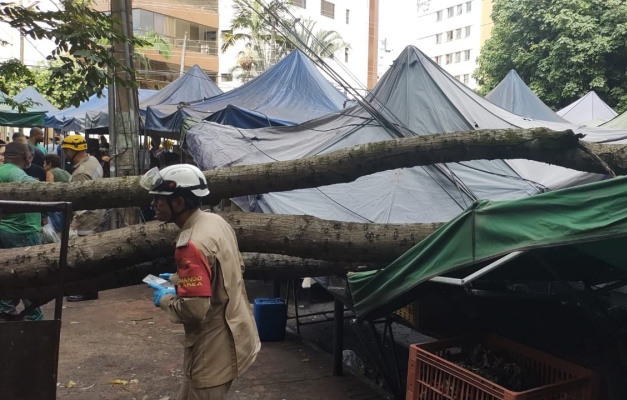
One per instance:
(451, 32)
(350, 18)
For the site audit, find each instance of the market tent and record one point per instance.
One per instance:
(416, 94)
(192, 86)
(91, 114)
(41, 104)
(618, 122)
(588, 110)
(512, 94)
(292, 90)
(580, 232)
(10, 116)
(243, 118)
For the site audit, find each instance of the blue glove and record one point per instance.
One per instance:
(160, 291)
(165, 275)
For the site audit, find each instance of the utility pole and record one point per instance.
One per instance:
(123, 104)
(183, 55)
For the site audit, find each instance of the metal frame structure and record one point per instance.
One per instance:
(29, 361)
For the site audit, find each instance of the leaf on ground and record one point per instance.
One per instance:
(134, 381)
(70, 384)
(118, 382)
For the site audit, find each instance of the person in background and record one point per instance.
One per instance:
(18, 230)
(34, 141)
(3, 147)
(51, 148)
(221, 339)
(35, 170)
(54, 173)
(86, 168)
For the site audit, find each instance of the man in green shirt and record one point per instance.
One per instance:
(18, 230)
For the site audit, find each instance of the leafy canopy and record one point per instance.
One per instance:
(80, 60)
(561, 48)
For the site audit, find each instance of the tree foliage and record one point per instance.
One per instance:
(267, 40)
(561, 48)
(80, 60)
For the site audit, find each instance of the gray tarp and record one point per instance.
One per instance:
(423, 98)
(191, 87)
(42, 104)
(512, 94)
(589, 110)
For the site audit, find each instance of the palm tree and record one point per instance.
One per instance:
(264, 45)
(323, 43)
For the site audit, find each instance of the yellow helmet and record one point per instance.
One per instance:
(74, 142)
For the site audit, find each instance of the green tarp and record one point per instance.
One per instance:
(582, 231)
(10, 116)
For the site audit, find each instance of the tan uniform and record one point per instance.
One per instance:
(86, 221)
(221, 339)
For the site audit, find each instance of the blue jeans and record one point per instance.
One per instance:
(9, 240)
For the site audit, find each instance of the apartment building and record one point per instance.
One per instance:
(451, 32)
(350, 18)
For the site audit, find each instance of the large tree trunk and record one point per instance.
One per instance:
(560, 148)
(258, 266)
(346, 244)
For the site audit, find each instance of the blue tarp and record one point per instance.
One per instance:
(193, 86)
(293, 91)
(243, 118)
(91, 114)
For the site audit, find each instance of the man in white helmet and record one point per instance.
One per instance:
(210, 300)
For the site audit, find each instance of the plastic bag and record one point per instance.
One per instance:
(48, 235)
(351, 360)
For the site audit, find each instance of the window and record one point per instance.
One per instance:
(448, 58)
(449, 36)
(458, 33)
(438, 38)
(467, 31)
(347, 16)
(466, 55)
(466, 79)
(438, 16)
(450, 12)
(458, 56)
(300, 3)
(327, 9)
(457, 77)
(346, 54)
(227, 77)
(460, 9)
(468, 6)
(438, 60)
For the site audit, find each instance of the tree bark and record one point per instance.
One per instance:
(258, 266)
(559, 148)
(345, 244)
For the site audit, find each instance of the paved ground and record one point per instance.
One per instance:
(122, 347)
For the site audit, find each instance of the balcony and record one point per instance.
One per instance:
(204, 12)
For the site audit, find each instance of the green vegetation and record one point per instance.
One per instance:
(561, 48)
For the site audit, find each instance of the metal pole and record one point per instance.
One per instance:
(338, 336)
(183, 55)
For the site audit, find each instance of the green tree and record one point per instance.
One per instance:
(561, 48)
(77, 31)
(267, 41)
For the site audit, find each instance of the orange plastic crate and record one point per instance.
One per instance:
(431, 377)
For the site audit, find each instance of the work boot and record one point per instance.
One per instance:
(82, 297)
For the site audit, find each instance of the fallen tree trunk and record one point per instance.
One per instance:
(559, 148)
(297, 236)
(258, 266)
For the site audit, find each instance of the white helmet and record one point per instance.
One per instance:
(179, 176)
